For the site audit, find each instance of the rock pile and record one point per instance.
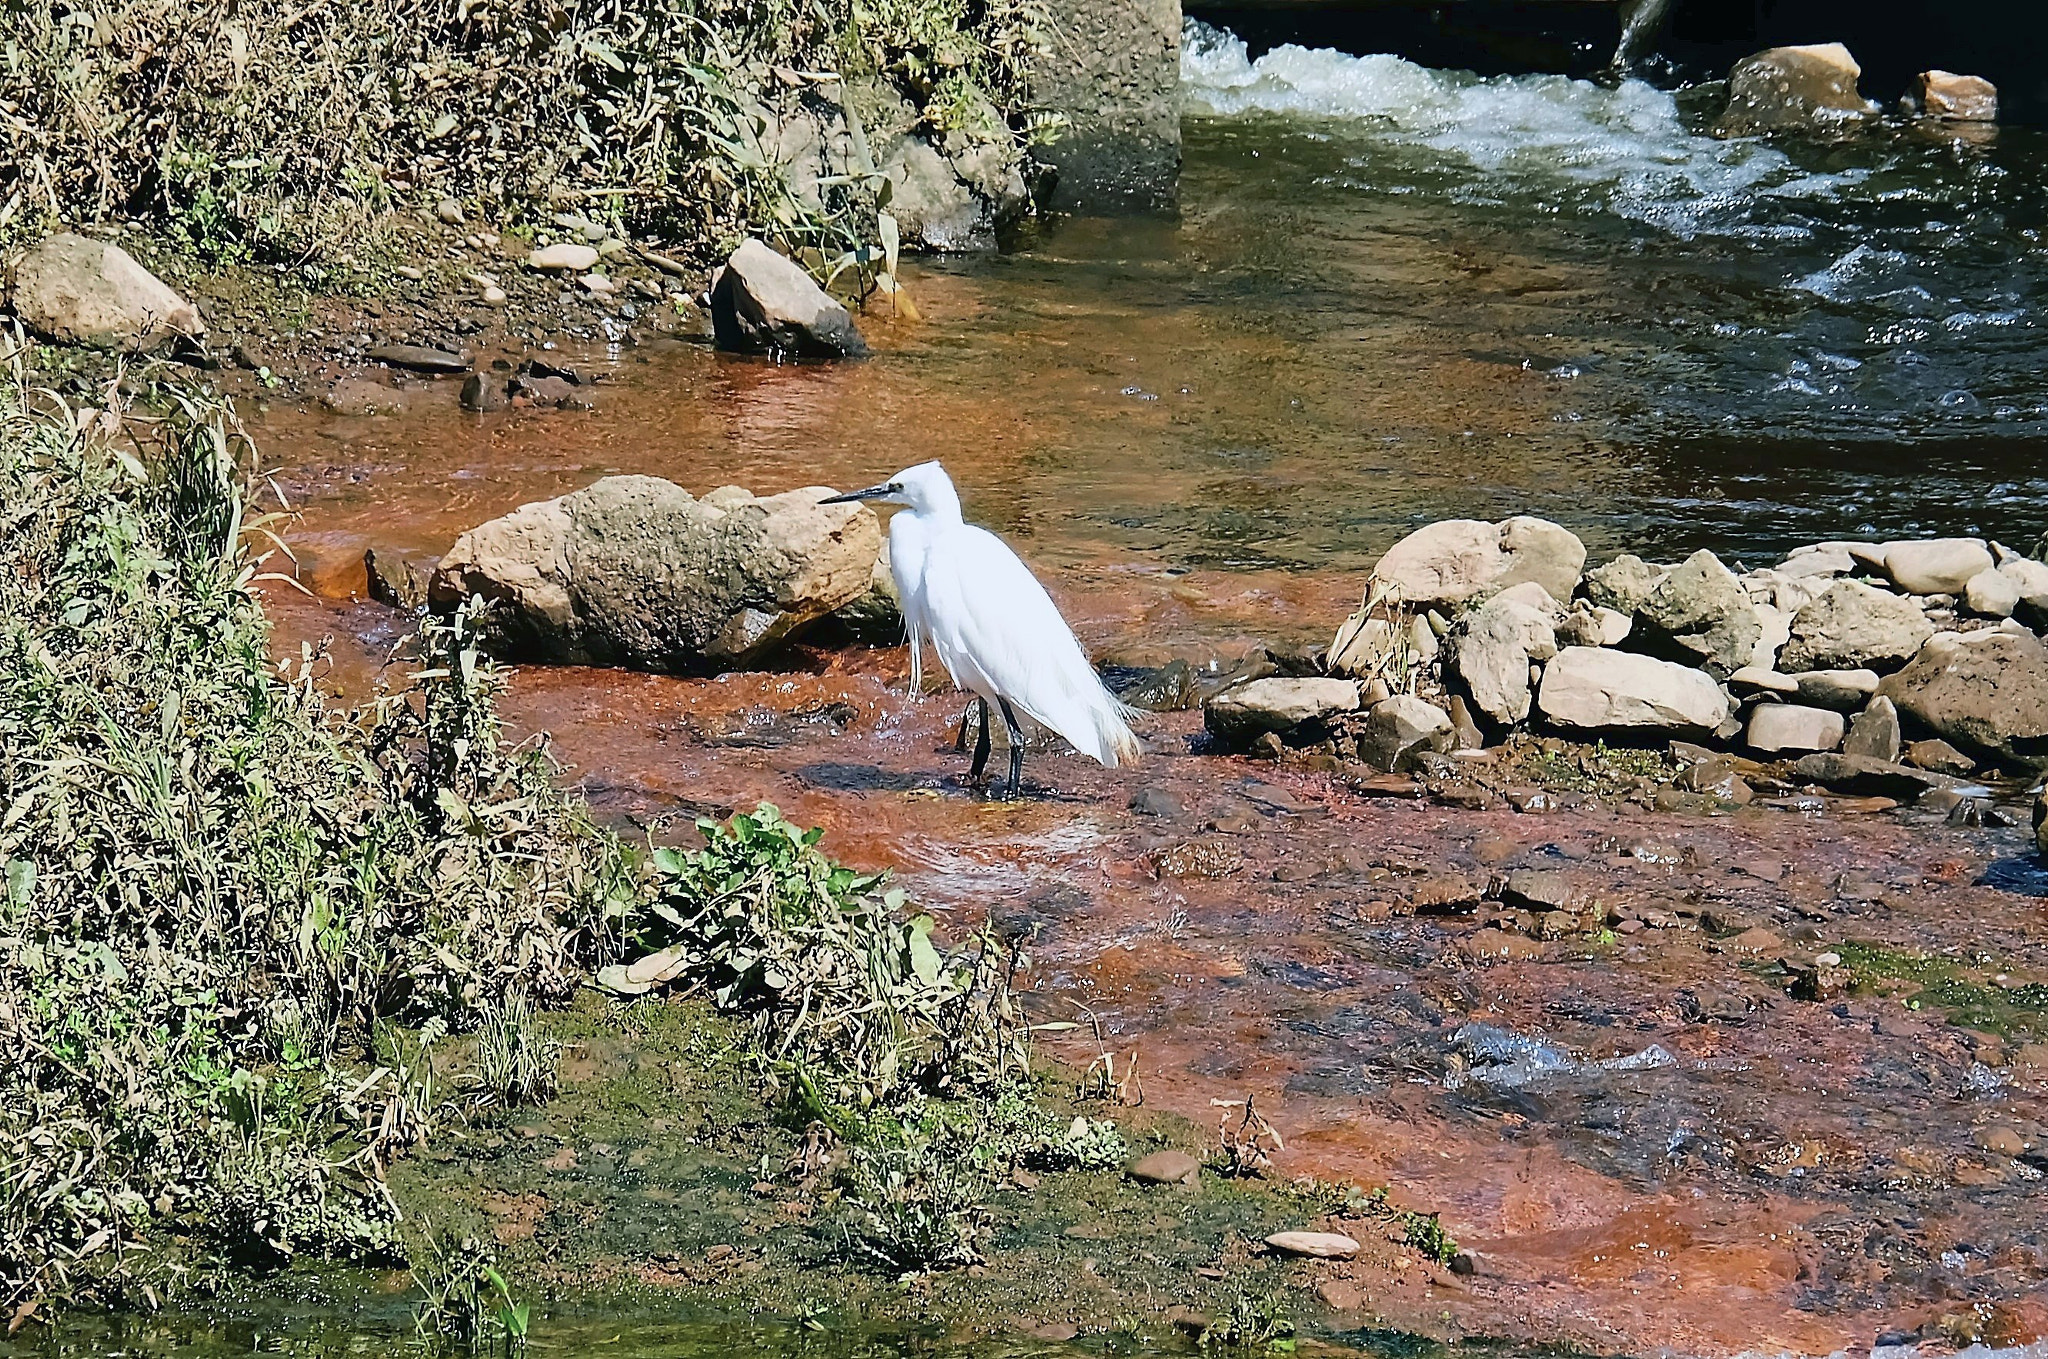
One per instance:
(1895, 665)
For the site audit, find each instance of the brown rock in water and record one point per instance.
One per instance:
(1795, 89)
(485, 392)
(1240, 715)
(418, 358)
(1954, 98)
(636, 571)
(762, 302)
(1165, 1167)
(2041, 822)
(1789, 726)
(1939, 756)
(76, 290)
(1399, 729)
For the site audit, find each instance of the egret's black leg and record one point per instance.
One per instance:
(1016, 734)
(960, 739)
(981, 741)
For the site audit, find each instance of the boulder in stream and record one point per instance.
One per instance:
(636, 571)
(764, 303)
(1936, 566)
(1953, 98)
(1809, 89)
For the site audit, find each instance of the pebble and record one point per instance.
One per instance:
(449, 211)
(562, 257)
(406, 271)
(2001, 1141)
(595, 283)
(1165, 1167)
(1316, 1245)
(494, 296)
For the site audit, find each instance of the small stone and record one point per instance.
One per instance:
(1315, 1245)
(1954, 98)
(1992, 593)
(1751, 679)
(77, 290)
(1874, 731)
(763, 302)
(563, 257)
(596, 283)
(493, 295)
(449, 211)
(484, 392)
(2041, 823)
(419, 358)
(1938, 756)
(1466, 1263)
(1165, 1167)
(1755, 939)
(2001, 1141)
(1400, 728)
(1842, 690)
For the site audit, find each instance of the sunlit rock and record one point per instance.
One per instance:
(1936, 566)
(1855, 626)
(1795, 89)
(1240, 715)
(636, 571)
(1595, 689)
(1453, 562)
(762, 302)
(1985, 691)
(77, 290)
(1953, 98)
(1775, 727)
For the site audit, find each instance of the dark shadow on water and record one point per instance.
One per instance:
(845, 777)
(2025, 875)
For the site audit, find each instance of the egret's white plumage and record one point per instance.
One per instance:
(995, 629)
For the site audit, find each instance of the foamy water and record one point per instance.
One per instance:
(1625, 149)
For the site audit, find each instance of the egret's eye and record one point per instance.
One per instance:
(895, 486)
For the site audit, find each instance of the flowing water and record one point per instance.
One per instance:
(1394, 295)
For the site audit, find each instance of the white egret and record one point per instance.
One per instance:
(996, 630)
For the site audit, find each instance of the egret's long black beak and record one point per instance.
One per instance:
(871, 493)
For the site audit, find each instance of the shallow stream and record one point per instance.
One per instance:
(1396, 295)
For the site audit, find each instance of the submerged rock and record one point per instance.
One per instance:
(762, 302)
(1985, 691)
(636, 571)
(1240, 715)
(1795, 89)
(76, 290)
(1593, 689)
(1455, 561)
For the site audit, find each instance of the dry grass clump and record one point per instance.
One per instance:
(287, 128)
(223, 897)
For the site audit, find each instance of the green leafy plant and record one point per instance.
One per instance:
(1256, 1321)
(466, 1300)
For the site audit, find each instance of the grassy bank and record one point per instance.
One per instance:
(287, 132)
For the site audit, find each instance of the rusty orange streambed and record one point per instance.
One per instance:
(1201, 434)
